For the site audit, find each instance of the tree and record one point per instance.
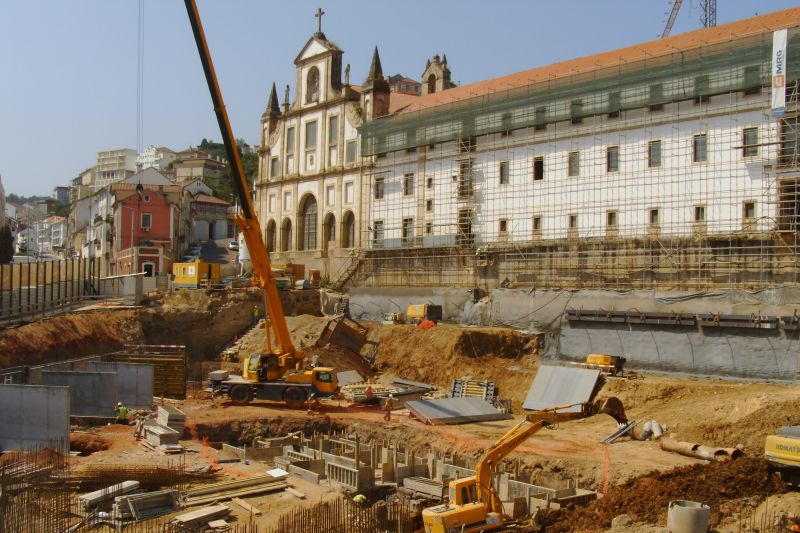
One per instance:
(6, 245)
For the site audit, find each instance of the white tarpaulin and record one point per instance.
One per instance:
(779, 73)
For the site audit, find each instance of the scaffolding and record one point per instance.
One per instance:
(666, 172)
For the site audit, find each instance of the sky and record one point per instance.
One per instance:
(69, 70)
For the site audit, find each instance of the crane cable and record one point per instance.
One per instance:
(140, 81)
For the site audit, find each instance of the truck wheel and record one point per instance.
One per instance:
(294, 397)
(241, 394)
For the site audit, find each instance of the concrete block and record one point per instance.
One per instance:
(33, 416)
(92, 394)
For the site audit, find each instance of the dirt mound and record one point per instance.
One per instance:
(646, 497)
(67, 336)
(444, 353)
(305, 330)
(86, 443)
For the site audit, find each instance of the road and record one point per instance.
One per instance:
(216, 251)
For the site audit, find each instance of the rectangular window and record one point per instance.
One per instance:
(408, 184)
(750, 142)
(614, 105)
(287, 201)
(466, 144)
(428, 205)
(350, 152)
(377, 234)
(612, 159)
(576, 111)
(379, 188)
(700, 148)
(311, 135)
(147, 221)
(333, 130)
(429, 183)
(537, 225)
(654, 154)
(611, 219)
(503, 226)
(538, 168)
(290, 141)
(574, 164)
(349, 190)
(274, 168)
(752, 79)
(572, 222)
(540, 118)
(749, 210)
(701, 89)
(330, 195)
(272, 203)
(699, 213)
(656, 97)
(503, 172)
(429, 227)
(408, 231)
(654, 217)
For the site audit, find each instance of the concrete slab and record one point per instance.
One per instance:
(561, 385)
(135, 382)
(455, 410)
(32, 416)
(92, 394)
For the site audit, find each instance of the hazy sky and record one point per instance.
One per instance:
(68, 68)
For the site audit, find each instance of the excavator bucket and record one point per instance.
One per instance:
(612, 407)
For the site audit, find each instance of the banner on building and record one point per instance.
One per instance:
(779, 73)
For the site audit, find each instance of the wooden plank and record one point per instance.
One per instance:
(246, 506)
(296, 493)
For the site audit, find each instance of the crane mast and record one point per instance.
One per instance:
(246, 219)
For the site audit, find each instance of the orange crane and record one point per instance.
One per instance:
(275, 374)
(474, 503)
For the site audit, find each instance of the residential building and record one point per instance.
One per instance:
(114, 166)
(194, 163)
(61, 194)
(82, 185)
(157, 158)
(308, 193)
(47, 236)
(401, 84)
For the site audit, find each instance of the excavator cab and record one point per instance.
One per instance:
(255, 362)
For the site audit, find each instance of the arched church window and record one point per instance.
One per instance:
(312, 85)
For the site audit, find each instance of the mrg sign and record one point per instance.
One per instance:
(779, 73)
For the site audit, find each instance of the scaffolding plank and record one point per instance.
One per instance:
(561, 385)
(455, 410)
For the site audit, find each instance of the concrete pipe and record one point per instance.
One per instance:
(685, 516)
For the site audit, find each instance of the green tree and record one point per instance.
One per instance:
(6, 245)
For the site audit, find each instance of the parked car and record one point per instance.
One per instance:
(233, 245)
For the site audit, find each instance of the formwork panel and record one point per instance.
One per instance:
(135, 382)
(92, 394)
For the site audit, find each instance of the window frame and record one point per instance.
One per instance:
(745, 204)
(308, 125)
(503, 174)
(380, 188)
(576, 171)
(614, 148)
(142, 225)
(538, 163)
(333, 132)
(752, 147)
(408, 184)
(347, 154)
(650, 144)
(695, 138)
(699, 209)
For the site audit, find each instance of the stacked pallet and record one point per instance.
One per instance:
(172, 418)
(202, 516)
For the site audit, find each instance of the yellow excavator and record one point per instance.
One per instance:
(474, 503)
(276, 374)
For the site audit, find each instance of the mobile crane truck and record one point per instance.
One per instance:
(474, 504)
(276, 374)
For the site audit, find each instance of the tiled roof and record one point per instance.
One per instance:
(207, 199)
(648, 50)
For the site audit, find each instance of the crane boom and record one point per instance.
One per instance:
(246, 220)
(672, 16)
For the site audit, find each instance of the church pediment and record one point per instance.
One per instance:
(316, 46)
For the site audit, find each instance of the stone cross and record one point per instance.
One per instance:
(319, 14)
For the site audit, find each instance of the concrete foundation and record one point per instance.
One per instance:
(33, 416)
(92, 394)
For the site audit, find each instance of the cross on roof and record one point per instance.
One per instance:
(318, 15)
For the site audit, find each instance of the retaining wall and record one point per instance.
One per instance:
(92, 394)
(135, 382)
(33, 416)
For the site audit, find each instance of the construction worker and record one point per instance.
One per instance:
(387, 408)
(262, 371)
(360, 499)
(311, 402)
(256, 314)
(368, 391)
(139, 431)
(427, 324)
(122, 414)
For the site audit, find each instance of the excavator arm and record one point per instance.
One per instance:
(529, 426)
(246, 220)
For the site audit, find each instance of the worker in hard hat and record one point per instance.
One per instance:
(387, 408)
(122, 414)
(360, 499)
